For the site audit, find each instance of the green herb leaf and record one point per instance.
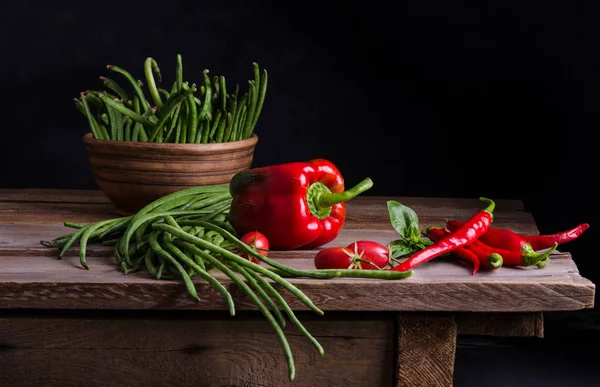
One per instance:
(401, 247)
(404, 220)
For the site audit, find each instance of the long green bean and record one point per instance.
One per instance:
(246, 289)
(134, 83)
(151, 70)
(128, 112)
(112, 85)
(161, 252)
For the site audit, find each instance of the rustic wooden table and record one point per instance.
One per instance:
(65, 326)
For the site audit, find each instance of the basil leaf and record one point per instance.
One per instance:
(400, 248)
(404, 220)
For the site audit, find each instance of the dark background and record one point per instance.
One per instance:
(433, 98)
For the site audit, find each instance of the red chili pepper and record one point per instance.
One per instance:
(469, 232)
(509, 240)
(435, 234)
(299, 204)
(526, 256)
(490, 261)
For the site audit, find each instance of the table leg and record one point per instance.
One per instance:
(426, 350)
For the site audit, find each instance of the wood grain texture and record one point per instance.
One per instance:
(92, 351)
(501, 324)
(426, 350)
(133, 174)
(441, 285)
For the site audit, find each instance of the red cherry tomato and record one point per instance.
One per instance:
(334, 258)
(258, 241)
(370, 251)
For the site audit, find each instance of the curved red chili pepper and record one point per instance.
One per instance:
(526, 256)
(509, 240)
(489, 261)
(435, 234)
(465, 235)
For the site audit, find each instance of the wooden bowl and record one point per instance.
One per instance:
(133, 174)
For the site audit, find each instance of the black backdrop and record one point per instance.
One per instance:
(456, 99)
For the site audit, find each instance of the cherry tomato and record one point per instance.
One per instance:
(334, 258)
(258, 241)
(373, 252)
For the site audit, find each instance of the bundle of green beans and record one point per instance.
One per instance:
(186, 235)
(183, 114)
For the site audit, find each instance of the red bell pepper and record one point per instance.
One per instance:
(295, 205)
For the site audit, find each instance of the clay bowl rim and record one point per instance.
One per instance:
(219, 146)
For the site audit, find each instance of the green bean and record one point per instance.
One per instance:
(223, 93)
(113, 118)
(136, 223)
(128, 124)
(161, 252)
(252, 252)
(228, 127)
(251, 110)
(192, 243)
(93, 124)
(94, 100)
(207, 96)
(204, 274)
(111, 242)
(221, 131)
(236, 123)
(75, 225)
(179, 73)
(170, 105)
(117, 226)
(192, 124)
(261, 306)
(149, 264)
(164, 92)
(173, 122)
(86, 235)
(205, 132)
(242, 123)
(136, 131)
(261, 96)
(200, 200)
(183, 136)
(215, 125)
(128, 112)
(80, 107)
(103, 119)
(261, 292)
(150, 70)
(112, 85)
(134, 83)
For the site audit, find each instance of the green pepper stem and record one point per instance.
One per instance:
(495, 260)
(326, 200)
(491, 205)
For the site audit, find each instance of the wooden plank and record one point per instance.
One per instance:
(43, 195)
(96, 196)
(96, 351)
(501, 324)
(440, 285)
(426, 350)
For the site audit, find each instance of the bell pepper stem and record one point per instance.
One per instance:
(326, 200)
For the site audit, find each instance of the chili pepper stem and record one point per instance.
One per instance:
(530, 257)
(495, 260)
(491, 206)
